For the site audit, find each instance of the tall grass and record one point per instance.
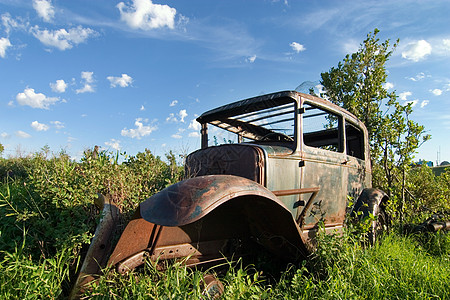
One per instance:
(23, 278)
(342, 268)
(47, 218)
(398, 267)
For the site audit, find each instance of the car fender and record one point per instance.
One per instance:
(190, 200)
(368, 200)
(200, 200)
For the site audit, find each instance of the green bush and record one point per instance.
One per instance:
(50, 201)
(424, 193)
(47, 219)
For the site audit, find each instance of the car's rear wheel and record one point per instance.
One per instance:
(370, 207)
(380, 225)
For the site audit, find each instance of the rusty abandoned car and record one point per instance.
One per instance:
(270, 170)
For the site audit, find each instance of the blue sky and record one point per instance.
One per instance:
(131, 75)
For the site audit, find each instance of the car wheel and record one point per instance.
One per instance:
(380, 225)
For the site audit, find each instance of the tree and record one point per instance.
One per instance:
(357, 84)
(2, 148)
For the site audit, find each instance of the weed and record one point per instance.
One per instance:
(47, 219)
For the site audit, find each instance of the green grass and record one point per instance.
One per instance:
(47, 218)
(397, 268)
(23, 278)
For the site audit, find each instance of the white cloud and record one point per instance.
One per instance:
(122, 81)
(140, 131)
(182, 114)
(403, 96)
(63, 39)
(297, 47)
(4, 44)
(87, 76)
(35, 100)
(173, 103)
(350, 46)
(87, 88)
(424, 103)
(57, 124)
(171, 118)
(10, 23)
(142, 108)
(418, 77)
(412, 102)
(143, 14)
(87, 80)
(436, 92)
(5, 135)
(446, 44)
(417, 51)
(388, 85)
(285, 2)
(441, 47)
(251, 59)
(59, 86)
(178, 134)
(194, 125)
(194, 134)
(113, 143)
(22, 134)
(39, 126)
(44, 9)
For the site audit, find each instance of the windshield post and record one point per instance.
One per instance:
(204, 132)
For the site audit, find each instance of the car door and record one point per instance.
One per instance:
(324, 166)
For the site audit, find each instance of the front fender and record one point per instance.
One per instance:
(191, 199)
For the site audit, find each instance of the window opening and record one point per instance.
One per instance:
(273, 124)
(355, 141)
(321, 129)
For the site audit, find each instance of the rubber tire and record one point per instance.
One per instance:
(380, 225)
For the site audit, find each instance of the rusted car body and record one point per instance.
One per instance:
(270, 170)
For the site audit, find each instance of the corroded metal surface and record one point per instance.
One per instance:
(274, 192)
(311, 175)
(439, 225)
(240, 160)
(191, 199)
(209, 219)
(100, 247)
(136, 237)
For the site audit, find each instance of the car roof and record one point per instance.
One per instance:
(271, 100)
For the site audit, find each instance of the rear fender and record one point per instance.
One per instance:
(191, 199)
(368, 200)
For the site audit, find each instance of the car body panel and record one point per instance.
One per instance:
(189, 200)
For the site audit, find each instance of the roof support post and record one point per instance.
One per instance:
(204, 132)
